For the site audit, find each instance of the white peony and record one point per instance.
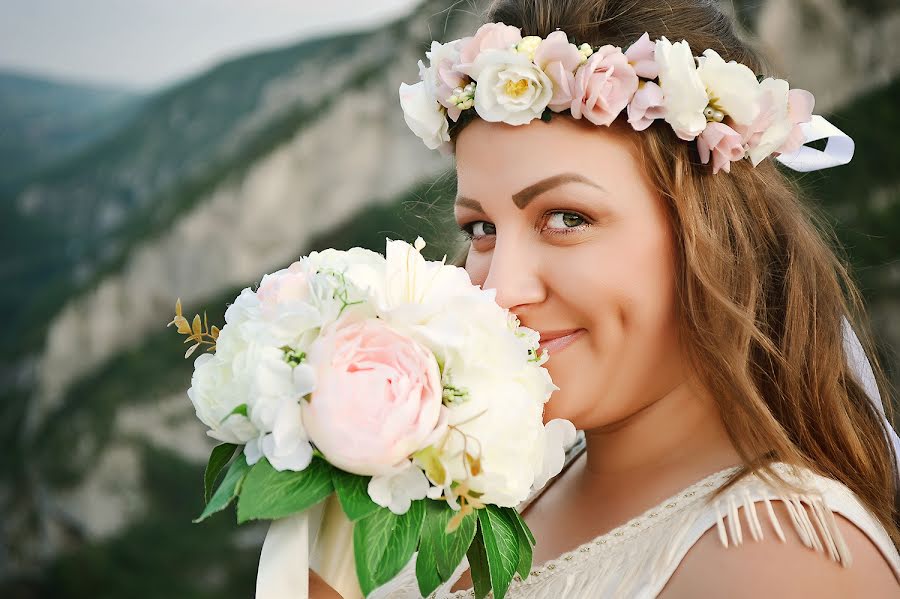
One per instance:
(437, 305)
(684, 94)
(731, 87)
(242, 322)
(216, 394)
(286, 315)
(494, 388)
(344, 283)
(397, 491)
(424, 115)
(510, 88)
(246, 392)
(501, 421)
(776, 106)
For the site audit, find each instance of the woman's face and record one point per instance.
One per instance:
(570, 233)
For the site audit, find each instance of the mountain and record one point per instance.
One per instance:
(211, 183)
(43, 121)
(216, 180)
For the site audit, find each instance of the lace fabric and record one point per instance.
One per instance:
(637, 558)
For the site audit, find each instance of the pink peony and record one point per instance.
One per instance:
(642, 56)
(558, 59)
(489, 36)
(800, 107)
(378, 398)
(646, 106)
(603, 86)
(721, 142)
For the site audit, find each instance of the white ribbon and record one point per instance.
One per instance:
(862, 372)
(319, 538)
(284, 561)
(838, 149)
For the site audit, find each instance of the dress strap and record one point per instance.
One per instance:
(817, 526)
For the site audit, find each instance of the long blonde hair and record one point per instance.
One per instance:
(761, 293)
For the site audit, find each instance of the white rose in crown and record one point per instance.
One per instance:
(684, 94)
(733, 87)
(511, 88)
(424, 115)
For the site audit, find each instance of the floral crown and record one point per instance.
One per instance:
(730, 112)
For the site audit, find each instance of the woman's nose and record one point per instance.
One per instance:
(515, 275)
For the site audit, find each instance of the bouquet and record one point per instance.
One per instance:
(392, 387)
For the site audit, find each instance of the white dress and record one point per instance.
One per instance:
(638, 558)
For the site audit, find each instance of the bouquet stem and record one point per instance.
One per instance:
(332, 555)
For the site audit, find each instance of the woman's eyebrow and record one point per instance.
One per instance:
(525, 196)
(464, 202)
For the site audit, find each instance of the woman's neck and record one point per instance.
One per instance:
(664, 447)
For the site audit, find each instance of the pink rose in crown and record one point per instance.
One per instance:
(721, 143)
(603, 86)
(378, 398)
(490, 36)
(646, 106)
(559, 58)
(642, 56)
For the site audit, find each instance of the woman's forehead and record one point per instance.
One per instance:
(510, 159)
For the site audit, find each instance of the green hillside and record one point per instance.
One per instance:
(43, 121)
(91, 211)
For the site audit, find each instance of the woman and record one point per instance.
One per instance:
(694, 323)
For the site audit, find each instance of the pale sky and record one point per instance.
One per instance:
(144, 44)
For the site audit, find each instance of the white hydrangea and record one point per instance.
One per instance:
(397, 491)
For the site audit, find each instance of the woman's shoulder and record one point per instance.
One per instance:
(758, 538)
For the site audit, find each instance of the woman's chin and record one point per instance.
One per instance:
(552, 412)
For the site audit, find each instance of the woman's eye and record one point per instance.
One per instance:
(478, 229)
(565, 220)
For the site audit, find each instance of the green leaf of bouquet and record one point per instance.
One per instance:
(353, 493)
(449, 548)
(383, 543)
(218, 459)
(441, 552)
(526, 552)
(228, 490)
(270, 494)
(426, 572)
(501, 545)
(521, 523)
(478, 564)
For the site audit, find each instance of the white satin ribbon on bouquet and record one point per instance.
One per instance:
(838, 149)
(320, 538)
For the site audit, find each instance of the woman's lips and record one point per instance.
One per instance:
(556, 341)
